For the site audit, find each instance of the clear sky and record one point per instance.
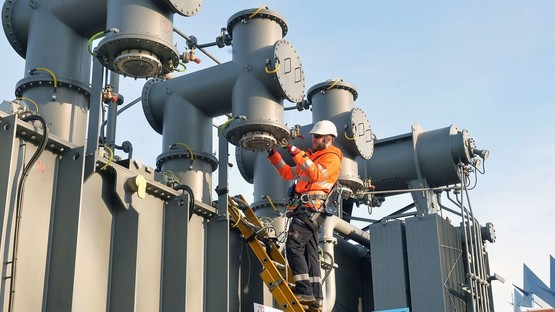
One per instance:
(484, 66)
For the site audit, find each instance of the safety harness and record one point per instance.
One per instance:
(302, 207)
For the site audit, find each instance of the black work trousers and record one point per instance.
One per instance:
(302, 256)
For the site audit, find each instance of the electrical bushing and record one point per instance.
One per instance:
(143, 45)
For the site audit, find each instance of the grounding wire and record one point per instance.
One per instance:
(110, 159)
(22, 98)
(192, 156)
(475, 181)
(19, 201)
(349, 138)
(334, 83)
(264, 6)
(54, 79)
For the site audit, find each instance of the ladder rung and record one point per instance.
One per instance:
(279, 265)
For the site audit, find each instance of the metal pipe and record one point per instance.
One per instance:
(478, 249)
(469, 256)
(66, 109)
(182, 34)
(111, 121)
(346, 229)
(209, 89)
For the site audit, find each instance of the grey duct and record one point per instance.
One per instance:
(142, 45)
(431, 155)
(328, 241)
(56, 72)
(178, 107)
(420, 159)
(53, 35)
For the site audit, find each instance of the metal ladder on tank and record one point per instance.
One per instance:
(267, 252)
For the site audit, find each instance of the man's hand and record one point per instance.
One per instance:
(292, 149)
(272, 151)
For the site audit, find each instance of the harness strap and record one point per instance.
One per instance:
(307, 197)
(308, 221)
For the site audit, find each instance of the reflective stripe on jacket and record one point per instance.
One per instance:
(316, 172)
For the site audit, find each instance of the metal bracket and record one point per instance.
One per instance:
(122, 175)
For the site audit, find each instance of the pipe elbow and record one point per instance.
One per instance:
(16, 19)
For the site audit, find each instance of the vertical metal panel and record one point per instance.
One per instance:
(34, 233)
(65, 217)
(217, 267)
(253, 289)
(348, 277)
(389, 265)
(92, 267)
(8, 153)
(196, 264)
(217, 242)
(436, 269)
(174, 273)
(149, 252)
(123, 260)
(136, 256)
(367, 300)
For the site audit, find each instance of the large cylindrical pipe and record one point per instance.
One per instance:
(209, 90)
(431, 155)
(187, 146)
(271, 72)
(331, 98)
(143, 45)
(187, 142)
(334, 100)
(252, 31)
(262, 115)
(57, 78)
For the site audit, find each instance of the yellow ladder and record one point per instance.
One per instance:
(267, 253)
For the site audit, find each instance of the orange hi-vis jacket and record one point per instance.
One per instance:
(316, 173)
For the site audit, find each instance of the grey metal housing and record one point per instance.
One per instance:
(91, 232)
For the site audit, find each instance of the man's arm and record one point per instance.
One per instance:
(284, 170)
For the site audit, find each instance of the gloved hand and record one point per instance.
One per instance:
(272, 151)
(293, 150)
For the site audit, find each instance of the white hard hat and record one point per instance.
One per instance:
(324, 127)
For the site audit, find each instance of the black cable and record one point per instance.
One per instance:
(332, 263)
(187, 189)
(19, 200)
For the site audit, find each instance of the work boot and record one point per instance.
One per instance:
(317, 304)
(305, 299)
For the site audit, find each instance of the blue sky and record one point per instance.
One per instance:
(484, 66)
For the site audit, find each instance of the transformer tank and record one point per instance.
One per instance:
(83, 229)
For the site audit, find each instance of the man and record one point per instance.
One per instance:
(315, 173)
